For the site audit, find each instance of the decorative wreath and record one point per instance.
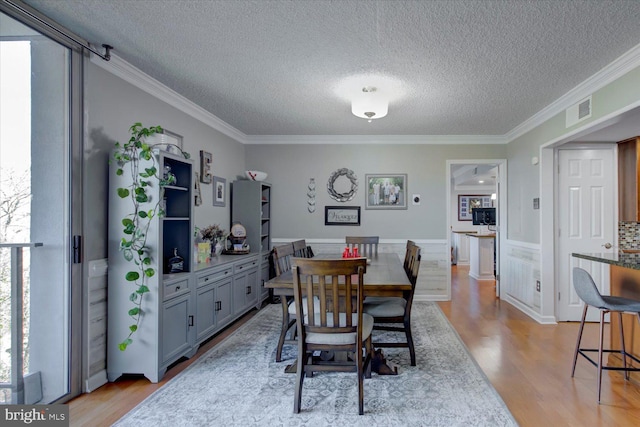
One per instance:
(342, 197)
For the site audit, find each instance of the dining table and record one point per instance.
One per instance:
(384, 277)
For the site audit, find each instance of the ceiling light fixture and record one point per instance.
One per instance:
(369, 104)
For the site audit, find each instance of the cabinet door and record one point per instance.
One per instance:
(205, 312)
(223, 303)
(251, 288)
(240, 281)
(176, 323)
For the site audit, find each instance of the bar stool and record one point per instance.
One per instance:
(588, 292)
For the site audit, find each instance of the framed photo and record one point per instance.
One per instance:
(219, 191)
(386, 191)
(466, 204)
(205, 167)
(342, 215)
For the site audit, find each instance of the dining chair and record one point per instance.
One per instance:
(282, 258)
(588, 292)
(333, 322)
(367, 245)
(394, 313)
(407, 256)
(300, 248)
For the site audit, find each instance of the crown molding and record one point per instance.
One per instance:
(121, 68)
(376, 139)
(625, 63)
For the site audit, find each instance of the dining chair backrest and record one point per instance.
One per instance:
(407, 254)
(324, 291)
(282, 256)
(367, 245)
(414, 265)
(300, 248)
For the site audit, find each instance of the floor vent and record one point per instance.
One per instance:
(578, 112)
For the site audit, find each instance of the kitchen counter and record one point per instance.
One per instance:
(617, 258)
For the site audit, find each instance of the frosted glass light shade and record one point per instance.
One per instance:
(369, 102)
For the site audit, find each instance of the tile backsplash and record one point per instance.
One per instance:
(629, 234)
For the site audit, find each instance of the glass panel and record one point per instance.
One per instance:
(34, 203)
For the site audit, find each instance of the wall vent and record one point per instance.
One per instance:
(578, 112)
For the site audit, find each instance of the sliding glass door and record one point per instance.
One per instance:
(39, 281)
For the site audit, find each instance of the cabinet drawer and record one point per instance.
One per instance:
(173, 289)
(214, 276)
(246, 265)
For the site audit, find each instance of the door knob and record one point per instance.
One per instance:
(607, 245)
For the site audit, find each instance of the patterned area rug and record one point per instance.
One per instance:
(238, 383)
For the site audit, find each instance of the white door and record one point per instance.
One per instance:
(586, 220)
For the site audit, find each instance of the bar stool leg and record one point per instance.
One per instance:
(623, 350)
(602, 313)
(575, 354)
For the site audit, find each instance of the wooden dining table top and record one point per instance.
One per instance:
(385, 276)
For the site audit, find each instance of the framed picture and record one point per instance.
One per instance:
(205, 167)
(196, 190)
(467, 203)
(342, 215)
(219, 191)
(386, 191)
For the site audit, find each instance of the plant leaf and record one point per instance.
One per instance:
(132, 276)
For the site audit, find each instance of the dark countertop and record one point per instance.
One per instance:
(627, 260)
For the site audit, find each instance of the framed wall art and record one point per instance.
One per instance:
(342, 215)
(219, 191)
(205, 167)
(386, 191)
(467, 203)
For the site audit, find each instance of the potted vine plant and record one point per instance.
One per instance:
(135, 225)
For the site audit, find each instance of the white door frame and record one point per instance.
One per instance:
(548, 211)
(502, 209)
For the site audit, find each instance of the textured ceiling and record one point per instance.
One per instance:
(289, 67)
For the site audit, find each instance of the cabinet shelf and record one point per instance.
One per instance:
(173, 187)
(175, 218)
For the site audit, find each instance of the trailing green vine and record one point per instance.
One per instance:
(133, 244)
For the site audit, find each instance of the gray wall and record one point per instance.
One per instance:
(524, 178)
(291, 166)
(113, 105)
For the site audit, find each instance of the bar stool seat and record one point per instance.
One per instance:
(588, 292)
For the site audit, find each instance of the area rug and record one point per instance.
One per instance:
(238, 383)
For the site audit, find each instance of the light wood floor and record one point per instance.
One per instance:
(528, 364)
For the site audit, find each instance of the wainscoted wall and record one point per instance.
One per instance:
(520, 274)
(434, 265)
(96, 333)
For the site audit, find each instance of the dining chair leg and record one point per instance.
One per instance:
(575, 354)
(285, 327)
(623, 351)
(300, 368)
(412, 351)
(602, 313)
(367, 357)
(361, 373)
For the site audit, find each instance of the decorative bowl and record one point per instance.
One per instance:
(256, 175)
